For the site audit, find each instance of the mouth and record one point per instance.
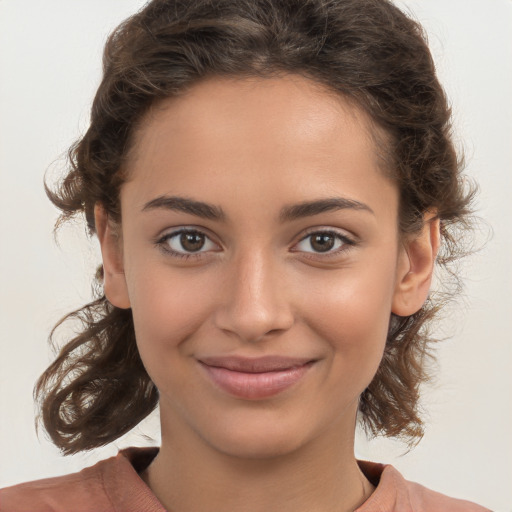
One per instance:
(255, 378)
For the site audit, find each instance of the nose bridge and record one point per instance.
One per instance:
(255, 301)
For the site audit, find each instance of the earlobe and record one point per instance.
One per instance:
(415, 269)
(114, 280)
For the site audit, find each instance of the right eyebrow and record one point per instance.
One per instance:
(182, 204)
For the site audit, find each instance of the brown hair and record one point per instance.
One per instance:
(366, 50)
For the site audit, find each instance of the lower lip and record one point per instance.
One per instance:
(255, 386)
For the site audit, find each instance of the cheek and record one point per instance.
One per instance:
(168, 307)
(351, 313)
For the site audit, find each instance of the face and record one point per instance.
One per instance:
(260, 255)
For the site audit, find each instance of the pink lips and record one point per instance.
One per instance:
(255, 378)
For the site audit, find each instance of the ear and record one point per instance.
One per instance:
(415, 268)
(114, 281)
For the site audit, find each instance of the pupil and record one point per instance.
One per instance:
(322, 243)
(192, 241)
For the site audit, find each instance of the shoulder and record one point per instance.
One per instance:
(394, 493)
(75, 491)
(111, 484)
(426, 499)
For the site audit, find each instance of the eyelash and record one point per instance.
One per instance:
(163, 245)
(347, 243)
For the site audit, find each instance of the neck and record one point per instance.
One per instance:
(321, 476)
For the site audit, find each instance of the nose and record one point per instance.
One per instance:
(253, 300)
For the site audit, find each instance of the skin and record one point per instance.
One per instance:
(259, 286)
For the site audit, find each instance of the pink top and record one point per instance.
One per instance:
(114, 485)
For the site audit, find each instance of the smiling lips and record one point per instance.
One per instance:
(255, 379)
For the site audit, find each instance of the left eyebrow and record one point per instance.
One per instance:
(310, 208)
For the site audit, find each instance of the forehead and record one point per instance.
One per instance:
(274, 135)
(217, 107)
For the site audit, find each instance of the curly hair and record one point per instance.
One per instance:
(365, 50)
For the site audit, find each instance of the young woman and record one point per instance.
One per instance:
(272, 184)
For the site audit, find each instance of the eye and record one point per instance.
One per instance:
(186, 242)
(324, 242)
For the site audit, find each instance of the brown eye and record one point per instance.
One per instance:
(322, 242)
(192, 241)
(185, 242)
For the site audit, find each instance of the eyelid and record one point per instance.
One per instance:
(348, 241)
(162, 239)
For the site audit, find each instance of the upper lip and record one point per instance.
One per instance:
(255, 365)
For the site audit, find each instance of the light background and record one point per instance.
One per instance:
(49, 68)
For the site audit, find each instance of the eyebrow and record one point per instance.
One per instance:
(287, 214)
(182, 204)
(310, 208)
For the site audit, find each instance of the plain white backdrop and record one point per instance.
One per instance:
(50, 64)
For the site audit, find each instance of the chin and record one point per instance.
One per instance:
(263, 434)
(267, 445)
